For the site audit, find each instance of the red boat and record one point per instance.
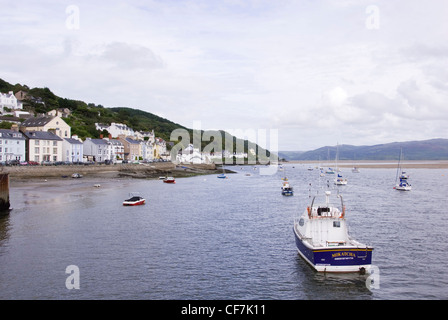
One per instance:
(169, 180)
(135, 200)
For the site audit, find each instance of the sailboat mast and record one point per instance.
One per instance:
(399, 165)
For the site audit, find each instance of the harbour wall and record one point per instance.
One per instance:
(118, 170)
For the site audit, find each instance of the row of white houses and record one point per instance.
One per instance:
(48, 139)
(46, 146)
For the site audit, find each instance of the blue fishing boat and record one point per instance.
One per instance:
(323, 241)
(287, 189)
(222, 176)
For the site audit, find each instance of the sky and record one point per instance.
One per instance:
(301, 74)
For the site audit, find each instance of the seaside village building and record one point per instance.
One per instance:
(96, 150)
(9, 102)
(12, 146)
(47, 138)
(115, 129)
(43, 146)
(72, 150)
(132, 148)
(48, 123)
(115, 150)
(103, 150)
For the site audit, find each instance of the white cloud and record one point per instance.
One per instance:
(311, 69)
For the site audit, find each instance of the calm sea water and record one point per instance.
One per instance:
(209, 238)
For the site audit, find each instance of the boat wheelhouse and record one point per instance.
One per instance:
(403, 185)
(322, 239)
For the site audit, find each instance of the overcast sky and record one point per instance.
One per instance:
(321, 72)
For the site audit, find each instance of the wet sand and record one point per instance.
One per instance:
(425, 164)
(136, 171)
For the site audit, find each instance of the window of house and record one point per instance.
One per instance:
(55, 150)
(55, 143)
(36, 142)
(36, 150)
(36, 158)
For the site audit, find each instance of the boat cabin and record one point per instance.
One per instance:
(324, 225)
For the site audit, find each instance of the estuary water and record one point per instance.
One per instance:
(208, 238)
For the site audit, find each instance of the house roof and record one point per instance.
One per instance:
(41, 135)
(97, 141)
(115, 142)
(130, 140)
(37, 122)
(9, 119)
(72, 141)
(11, 134)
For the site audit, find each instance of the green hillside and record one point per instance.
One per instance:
(84, 116)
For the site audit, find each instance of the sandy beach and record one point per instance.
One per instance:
(426, 164)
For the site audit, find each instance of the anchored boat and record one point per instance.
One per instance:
(323, 241)
(134, 200)
(287, 189)
(403, 184)
(169, 180)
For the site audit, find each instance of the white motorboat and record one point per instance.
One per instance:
(322, 239)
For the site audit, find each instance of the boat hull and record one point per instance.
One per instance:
(134, 203)
(344, 259)
(287, 193)
(403, 188)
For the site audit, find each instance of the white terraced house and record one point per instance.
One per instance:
(12, 146)
(43, 146)
(96, 149)
(72, 150)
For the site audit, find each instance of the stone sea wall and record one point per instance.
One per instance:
(118, 170)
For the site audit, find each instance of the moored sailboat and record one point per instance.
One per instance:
(401, 179)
